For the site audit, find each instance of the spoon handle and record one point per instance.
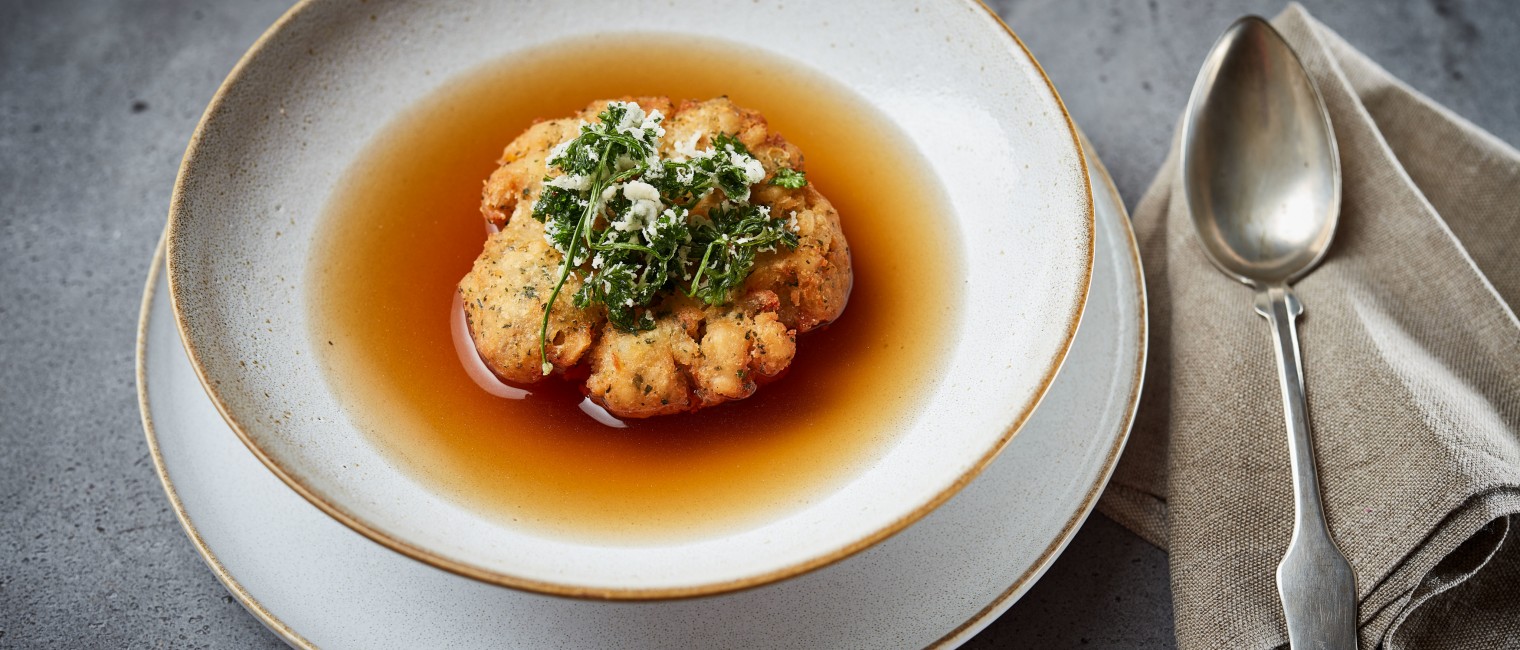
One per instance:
(1317, 585)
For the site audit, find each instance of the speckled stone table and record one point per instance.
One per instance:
(97, 101)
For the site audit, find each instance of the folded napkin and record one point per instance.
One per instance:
(1411, 354)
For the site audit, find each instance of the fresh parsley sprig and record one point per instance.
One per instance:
(624, 212)
(789, 178)
(732, 238)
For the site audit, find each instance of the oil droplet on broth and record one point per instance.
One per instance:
(405, 226)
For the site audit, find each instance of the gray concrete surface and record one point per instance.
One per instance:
(97, 101)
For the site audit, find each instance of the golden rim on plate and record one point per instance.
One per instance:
(602, 593)
(212, 562)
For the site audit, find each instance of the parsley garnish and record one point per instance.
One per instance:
(621, 217)
(732, 237)
(789, 178)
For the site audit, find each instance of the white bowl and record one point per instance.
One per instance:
(319, 86)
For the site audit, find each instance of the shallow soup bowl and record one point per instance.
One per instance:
(325, 81)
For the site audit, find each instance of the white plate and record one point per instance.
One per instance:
(315, 582)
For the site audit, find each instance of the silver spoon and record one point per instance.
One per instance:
(1262, 179)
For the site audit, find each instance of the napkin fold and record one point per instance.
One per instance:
(1411, 354)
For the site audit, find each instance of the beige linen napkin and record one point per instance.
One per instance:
(1412, 359)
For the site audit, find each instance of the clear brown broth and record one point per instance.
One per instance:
(405, 226)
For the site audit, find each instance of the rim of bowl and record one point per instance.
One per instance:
(426, 556)
(1009, 596)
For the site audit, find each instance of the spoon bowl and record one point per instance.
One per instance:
(1261, 169)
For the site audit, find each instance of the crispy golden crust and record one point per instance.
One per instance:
(504, 296)
(696, 356)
